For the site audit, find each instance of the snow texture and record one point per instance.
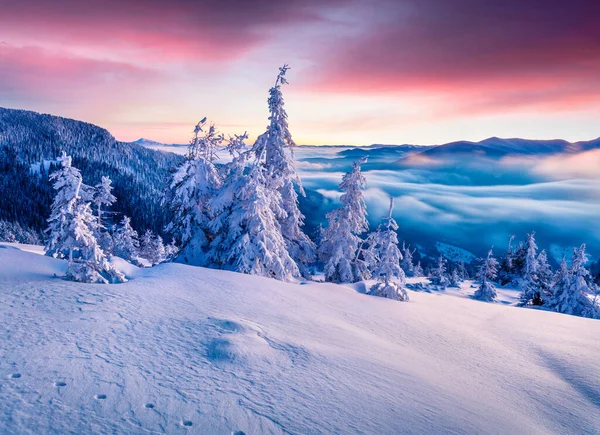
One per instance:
(181, 349)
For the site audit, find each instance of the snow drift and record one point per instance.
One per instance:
(181, 349)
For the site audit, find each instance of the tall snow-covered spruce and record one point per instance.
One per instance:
(275, 150)
(193, 184)
(340, 240)
(248, 233)
(387, 256)
(73, 228)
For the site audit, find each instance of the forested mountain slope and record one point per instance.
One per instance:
(29, 138)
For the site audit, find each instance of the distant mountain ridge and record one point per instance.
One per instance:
(493, 147)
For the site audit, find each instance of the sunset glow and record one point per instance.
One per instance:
(362, 72)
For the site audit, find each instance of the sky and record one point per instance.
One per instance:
(362, 71)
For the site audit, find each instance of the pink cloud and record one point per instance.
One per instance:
(488, 56)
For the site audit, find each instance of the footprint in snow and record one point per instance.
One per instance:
(60, 384)
(149, 406)
(186, 423)
(100, 396)
(15, 376)
(238, 432)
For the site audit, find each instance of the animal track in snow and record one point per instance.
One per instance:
(60, 384)
(15, 376)
(238, 432)
(100, 396)
(149, 406)
(186, 423)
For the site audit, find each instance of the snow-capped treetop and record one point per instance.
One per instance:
(236, 144)
(207, 145)
(271, 146)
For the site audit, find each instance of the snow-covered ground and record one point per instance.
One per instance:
(180, 349)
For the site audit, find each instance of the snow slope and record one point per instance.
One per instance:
(180, 349)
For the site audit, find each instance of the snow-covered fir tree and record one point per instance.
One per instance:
(248, 233)
(437, 273)
(506, 270)
(152, 248)
(486, 274)
(454, 279)
(572, 292)
(72, 229)
(171, 250)
(206, 145)
(274, 149)
(340, 240)
(461, 270)
(544, 274)
(67, 183)
(407, 260)
(193, 184)
(418, 270)
(126, 242)
(531, 292)
(102, 197)
(386, 269)
(87, 262)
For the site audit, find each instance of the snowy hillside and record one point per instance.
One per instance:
(180, 349)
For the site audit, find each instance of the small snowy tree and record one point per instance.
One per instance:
(571, 293)
(544, 274)
(506, 272)
(171, 250)
(486, 274)
(340, 241)
(249, 238)
(531, 292)
(461, 270)
(87, 262)
(418, 271)
(126, 242)
(384, 245)
(437, 274)
(407, 260)
(152, 248)
(454, 279)
(103, 197)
